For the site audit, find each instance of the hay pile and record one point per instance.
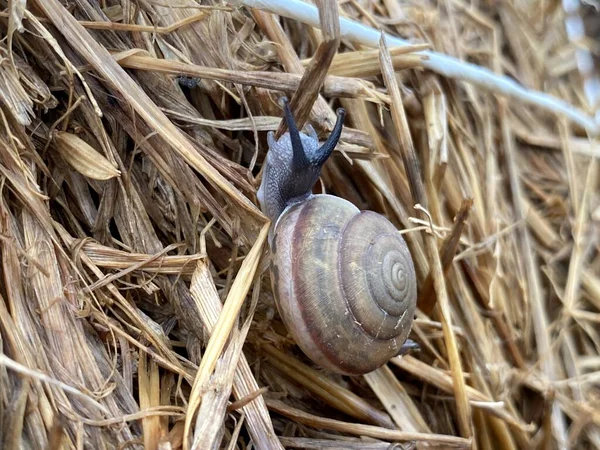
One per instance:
(136, 309)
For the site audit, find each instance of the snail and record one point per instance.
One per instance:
(343, 279)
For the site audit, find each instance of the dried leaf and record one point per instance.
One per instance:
(83, 157)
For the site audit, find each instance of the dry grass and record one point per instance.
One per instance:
(135, 305)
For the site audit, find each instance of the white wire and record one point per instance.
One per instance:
(437, 62)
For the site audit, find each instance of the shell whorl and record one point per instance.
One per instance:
(374, 257)
(344, 283)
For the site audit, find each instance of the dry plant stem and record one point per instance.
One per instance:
(570, 165)
(427, 300)
(536, 301)
(70, 69)
(149, 393)
(333, 86)
(118, 79)
(363, 63)
(156, 411)
(162, 361)
(224, 325)
(540, 226)
(285, 50)
(110, 258)
(580, 230)
(174, 438)
(236, 433)
(116, 26)
(499, 321)
(20, 341)
(367, 430)
(14, 96)
(316, 72)
(57, 434)
(361, 142)
(441, 380)
(239, 404)
(209, 429)
(582, 146)
(437, 62)
(411, 165)
(27, 372)
(334, 444)
(115, 276)
(396, 400)
(573, 284)
(338, 397)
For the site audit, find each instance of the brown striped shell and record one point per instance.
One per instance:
(345, 283)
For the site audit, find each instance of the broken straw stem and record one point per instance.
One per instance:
(445, 65)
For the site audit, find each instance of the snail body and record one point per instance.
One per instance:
(343, 279)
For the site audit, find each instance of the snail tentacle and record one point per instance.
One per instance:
(327, 148)
(299, 157)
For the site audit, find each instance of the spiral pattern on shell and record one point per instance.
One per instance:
(344, 282)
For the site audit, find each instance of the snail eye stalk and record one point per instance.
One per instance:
(327, 148)
(299, 157)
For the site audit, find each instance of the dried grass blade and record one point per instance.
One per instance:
(111, 258)
(83, 157)
(111, 278)
(149, 393)
(333, 394)
(396, 400)
(367, 430)
(427, 300)
(321, 114)
(219, 386)
(12, 93)
(333, 86)
(364, 63)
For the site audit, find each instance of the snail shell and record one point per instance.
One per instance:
(344, 280)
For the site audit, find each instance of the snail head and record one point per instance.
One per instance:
(293, 164)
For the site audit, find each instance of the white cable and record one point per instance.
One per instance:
(437, 62)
